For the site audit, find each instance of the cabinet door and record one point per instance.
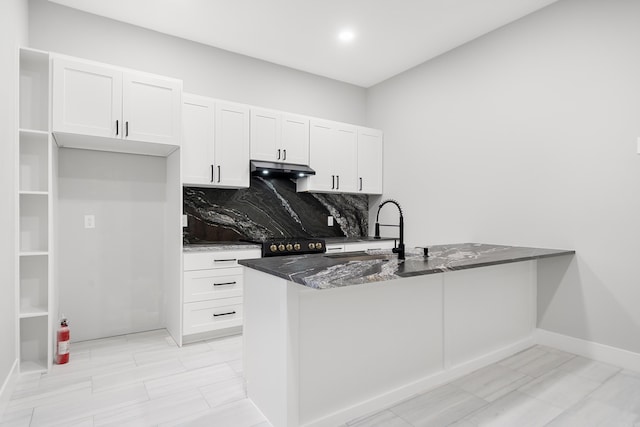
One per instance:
(345, 153)
(321, 158)
(369, 161)
(295, 139)
(151, 108)
(87, 99)
(265, 135)
(198, 119)
(231, 146)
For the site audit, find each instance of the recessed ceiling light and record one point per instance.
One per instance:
(346, 35)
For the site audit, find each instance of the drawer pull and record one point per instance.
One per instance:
(225, 283)
(225, 260)
(223, 314)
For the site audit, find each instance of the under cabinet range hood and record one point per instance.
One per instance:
(280, 170)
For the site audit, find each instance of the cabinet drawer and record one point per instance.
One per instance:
(202, 285)
(369, 246)
(211, 315)
(335, 248)
(226, 259)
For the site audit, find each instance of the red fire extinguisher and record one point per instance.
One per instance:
(62, 345)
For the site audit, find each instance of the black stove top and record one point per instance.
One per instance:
(291, 246)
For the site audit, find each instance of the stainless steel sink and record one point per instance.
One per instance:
(356, 256)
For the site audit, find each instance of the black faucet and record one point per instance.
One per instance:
(400, 249)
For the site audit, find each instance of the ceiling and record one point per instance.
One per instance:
(390, 36)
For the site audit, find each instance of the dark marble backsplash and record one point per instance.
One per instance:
(271, 208)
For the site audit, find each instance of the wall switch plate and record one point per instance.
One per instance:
(185, 221)
(330, 221)
(89, 221)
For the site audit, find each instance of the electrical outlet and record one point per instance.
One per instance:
(330, 221)
(185, 221)
(89, 221)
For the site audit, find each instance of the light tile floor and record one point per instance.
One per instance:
(146, 380)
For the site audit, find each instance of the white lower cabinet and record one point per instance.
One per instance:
(212, 291)
(212, 284)
(335, 248)
(360, 246)
(210, 315)
(370, 246)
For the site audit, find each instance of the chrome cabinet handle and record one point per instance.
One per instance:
(333, 182)
(211, 173)
(117, 127)
(338, 182)
(285, 154)
(218, 173)
(126, 129)
(225, 260)
(223, 314)
(360, 183)
(225, 283)
(279, 154)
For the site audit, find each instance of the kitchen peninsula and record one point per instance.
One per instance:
(332, 337)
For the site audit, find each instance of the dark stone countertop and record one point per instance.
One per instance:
(322, 271)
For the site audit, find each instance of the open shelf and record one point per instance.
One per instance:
(34, 223)
(34, 286)
(35, 198)
(34, 89)
(34, 344)
(33, 312)
(33, 132)
(33, 253)
(35, 193)
(30, 367)
(34, 161)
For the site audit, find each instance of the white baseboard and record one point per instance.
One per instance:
(375, 404)
(592, 350)
(7, 387)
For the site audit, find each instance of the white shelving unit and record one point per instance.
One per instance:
(35, 214)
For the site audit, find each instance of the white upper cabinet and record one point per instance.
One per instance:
(345, 155)
(231, 146)
(151, 108)
(333, 154)
(87, 99)
(265, 135)
(279, 137)
(295, 139)
(198, 124)
(122, 110)
(321, 154)
(215, 145)
(369, 161)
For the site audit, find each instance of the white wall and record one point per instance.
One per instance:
(13, 33)
(111, 278)
(205, 70)
(527, 136)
